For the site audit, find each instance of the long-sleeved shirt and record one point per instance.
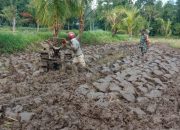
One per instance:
(76, 47)
(143, 40)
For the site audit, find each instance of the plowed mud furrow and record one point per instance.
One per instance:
(120, 91)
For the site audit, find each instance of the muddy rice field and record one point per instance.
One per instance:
(122, 91)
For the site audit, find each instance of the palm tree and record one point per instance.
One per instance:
(131, 20)
(32, 15)
(52, 13)
(114, 18)
(164, 27)
(150, 13)
(79, 7)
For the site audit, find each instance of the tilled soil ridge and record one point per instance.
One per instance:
(121, 93)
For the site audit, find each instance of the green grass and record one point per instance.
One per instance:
(23, 29)
(24, 37)
(102, 37)
(97, 37)
(15, 42)
(172, 42)
(175, 43)
(28, 38)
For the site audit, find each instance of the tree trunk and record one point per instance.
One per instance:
(130, 32)
(130, 35)
(149, 22)
(14, 24)
(90, 28)
(56, 31)
(93, 25)
(55, 34)
(37, 27)
(114, 32)
(68, 26)
(81, 26)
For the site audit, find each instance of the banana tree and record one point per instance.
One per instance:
(52, 13)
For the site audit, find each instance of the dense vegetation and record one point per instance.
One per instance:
(121, 16)
(118, 18)
(13, 42)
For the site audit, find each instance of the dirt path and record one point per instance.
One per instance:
(122, 93)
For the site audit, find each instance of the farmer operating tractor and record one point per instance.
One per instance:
(75, 46)
(59, 53)
(67, 53)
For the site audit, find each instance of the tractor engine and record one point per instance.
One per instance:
(54, 57)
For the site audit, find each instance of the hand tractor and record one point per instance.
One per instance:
(56, 55)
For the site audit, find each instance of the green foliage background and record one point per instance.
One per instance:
(112, 20)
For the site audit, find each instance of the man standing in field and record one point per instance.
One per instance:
(144, 41)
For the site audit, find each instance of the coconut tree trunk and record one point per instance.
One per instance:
(90, 28)
(37, 27)
(149, 21)
(81, 25)
(14, 24)
(68, 26)
(130, 32)
(114, 31)
(56, 29)
(130, 35)
(55, 35)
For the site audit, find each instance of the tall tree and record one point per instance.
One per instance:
(122, 2)
(141, 3)
(79, 8)
(166, 28)
(114, 18)
(10, 13)
(178, 11)
(4, 3)
(52, 13)
(169, 11)
(32, 17)
(131, 20)
(18, 5)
